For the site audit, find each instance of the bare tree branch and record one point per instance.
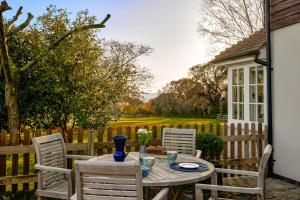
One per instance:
(14, 19)
(4, 7)
(21, 26)
(227, 21)
(55, 44)
(83, 28)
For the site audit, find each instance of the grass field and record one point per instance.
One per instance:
(138, 121)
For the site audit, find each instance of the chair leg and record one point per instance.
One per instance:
(39, 198)
(199, 194)
(260, 197)
(214, 181)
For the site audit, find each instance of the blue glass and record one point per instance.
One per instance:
(119, 154)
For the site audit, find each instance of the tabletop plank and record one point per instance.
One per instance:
(162, 175)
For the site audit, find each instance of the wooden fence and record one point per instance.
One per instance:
(243, 147)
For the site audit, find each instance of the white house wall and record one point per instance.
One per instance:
(286, 101)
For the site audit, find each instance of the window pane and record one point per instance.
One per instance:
(241, 76)
(234, 77)
(252, 94)
(241, 94)
(260, 94)
(241, 111)
(234, 94)
(260, 75)
(234, 111)
(260, 113)
(252, 75)
(253, 112)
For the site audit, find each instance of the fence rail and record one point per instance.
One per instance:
(243, 147)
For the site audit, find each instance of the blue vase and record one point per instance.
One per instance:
(119, 154)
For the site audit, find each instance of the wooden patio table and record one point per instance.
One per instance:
(163, 176)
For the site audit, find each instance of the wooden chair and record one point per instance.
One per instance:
(181, 140)
(54, 180)
(110, 181)
(259, 189)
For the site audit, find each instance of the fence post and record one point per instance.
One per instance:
(91, 143)
(15, 159)
(239, 132)
(260, 134)
(36, 133)
(128, 133)
(69, 135)
(253, 146)
(218, 133)
(210, 128)
(225, 151)
(196, 127)
(202, 128)
(109, 139)
(26, 158)
(136, 148)
(100, 141)
(154, 134)
(246, 128)
(232, 145)
(3, 139)
(119, 131)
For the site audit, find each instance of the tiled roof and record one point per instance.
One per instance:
(247, 46)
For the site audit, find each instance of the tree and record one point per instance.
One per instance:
(180, 97)
(227, 21)
(81, 82)
(13, 72)
(213, 81)
(123, 56)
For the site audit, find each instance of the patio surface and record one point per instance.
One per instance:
(275, 189)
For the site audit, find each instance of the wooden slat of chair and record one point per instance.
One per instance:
(181, 140)
(110, 180)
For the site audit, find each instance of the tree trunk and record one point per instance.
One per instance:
(11, 103)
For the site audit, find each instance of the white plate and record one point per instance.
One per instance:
(188, 165)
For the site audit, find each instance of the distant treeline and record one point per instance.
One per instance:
(202, 94)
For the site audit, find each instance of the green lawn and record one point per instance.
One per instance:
(138, 121)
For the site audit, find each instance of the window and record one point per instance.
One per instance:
(256, 94)
(238, 94)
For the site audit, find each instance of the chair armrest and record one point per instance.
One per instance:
(229, 188)
(198, 153)
(79, 157)
(162, 195)
(53, 169)
(239, 172)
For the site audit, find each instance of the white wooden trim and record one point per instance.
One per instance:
(236, 61)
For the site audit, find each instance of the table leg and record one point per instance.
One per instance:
(177, 192)
(147, 193)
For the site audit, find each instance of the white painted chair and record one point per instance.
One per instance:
(104, 180)
(259, 189)
(181, 140)
(54, 179)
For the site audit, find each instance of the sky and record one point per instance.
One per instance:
(168, 26)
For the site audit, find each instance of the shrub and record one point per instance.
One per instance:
(210, 144)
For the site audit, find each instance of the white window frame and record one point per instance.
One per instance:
(246, 67)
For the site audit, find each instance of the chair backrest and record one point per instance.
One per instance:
(181, 140)
(108, 180)
(262, 165)
(50, 151)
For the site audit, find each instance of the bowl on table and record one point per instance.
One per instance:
(172, 155)
(148, 161)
